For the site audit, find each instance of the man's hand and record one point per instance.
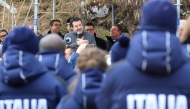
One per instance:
(81, 41)
(81, 48)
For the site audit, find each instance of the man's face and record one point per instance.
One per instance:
(90, 29)
(77, 26)
(114, 32)
(2, 36)
(69, 28)
(55, 28)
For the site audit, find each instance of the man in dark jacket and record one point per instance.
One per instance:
(25, 82)
(155, 74)
(90, 28)
(55, 27)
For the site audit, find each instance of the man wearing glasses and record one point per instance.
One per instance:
(3, 34)
(90, 28)
(55, 27)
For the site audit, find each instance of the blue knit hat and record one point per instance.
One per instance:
(22, 38)
(119, 49)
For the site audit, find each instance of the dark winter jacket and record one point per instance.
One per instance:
(109, 43)
(100, 43)
(84, 95)
(155, 74)
(25, 83)
(57, 64)
(62, 36)
(186, 50)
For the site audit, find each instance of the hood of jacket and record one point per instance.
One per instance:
(17, 68)
(155, 48)
(159, 14)
(88, 86)
(56, 63)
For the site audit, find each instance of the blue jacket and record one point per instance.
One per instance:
(57, 64)
(186, 50)
(88, 86)
(25, 83)
(72, 60)
(155, 74)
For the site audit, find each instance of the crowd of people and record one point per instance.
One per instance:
(79, 70)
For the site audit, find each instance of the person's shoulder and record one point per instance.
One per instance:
(66, 33)
(108, 37)
(100, 40)
(49, 32)
(87, 34)
(61, 35)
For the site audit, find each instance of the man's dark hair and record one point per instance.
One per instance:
(68, 20)
(89, 24)
(52, 21)
(119, 27)
(74, 19)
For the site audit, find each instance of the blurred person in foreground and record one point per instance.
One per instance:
(1, 54)
(51, 55)
(25, 83)
(155, 73)
(68, 51)
(73, 57)
(92, 64)
(120, 48)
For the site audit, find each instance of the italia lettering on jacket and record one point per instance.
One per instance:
(153, 101)
(23, 104)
